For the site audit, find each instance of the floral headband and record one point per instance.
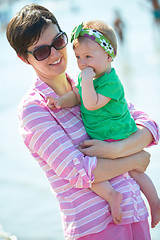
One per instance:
(95, 36)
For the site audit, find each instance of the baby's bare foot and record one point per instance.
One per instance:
(155, 214)
(115, 205)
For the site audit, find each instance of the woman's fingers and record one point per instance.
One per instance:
(88, 147)
(87, 143)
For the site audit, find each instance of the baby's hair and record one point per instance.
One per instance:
(101, 27)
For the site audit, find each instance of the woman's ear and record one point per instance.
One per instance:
(23, 59)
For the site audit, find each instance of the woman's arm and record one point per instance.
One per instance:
(133, 144)
(49, 143)
(147, 134)
(107, 169)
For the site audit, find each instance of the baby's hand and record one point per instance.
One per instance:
(53, 103)
(88, 73)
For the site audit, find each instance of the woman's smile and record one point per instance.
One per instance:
(56, 62)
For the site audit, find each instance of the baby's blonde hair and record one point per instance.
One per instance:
(101, 27)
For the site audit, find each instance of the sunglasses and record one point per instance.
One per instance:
(43, 52)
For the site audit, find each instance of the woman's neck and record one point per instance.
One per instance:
(59, 84)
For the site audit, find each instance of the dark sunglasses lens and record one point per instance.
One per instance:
(60, 42)
(42, 53)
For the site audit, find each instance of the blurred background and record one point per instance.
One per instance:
(28, 209)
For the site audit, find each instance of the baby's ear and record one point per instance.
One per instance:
(110, 59)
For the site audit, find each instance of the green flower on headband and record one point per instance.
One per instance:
(76, 31)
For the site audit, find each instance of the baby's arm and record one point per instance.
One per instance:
(91, 99)
(70, 99)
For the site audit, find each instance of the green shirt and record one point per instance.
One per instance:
(112, 121)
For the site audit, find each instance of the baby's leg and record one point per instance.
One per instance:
(114, 198)
(148, 189)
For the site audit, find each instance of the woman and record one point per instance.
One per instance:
(53, 138)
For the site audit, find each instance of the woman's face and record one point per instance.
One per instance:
(53, 66)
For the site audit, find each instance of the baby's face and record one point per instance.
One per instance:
(91, 54)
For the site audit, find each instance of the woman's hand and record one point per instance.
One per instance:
(143, 160)
(98, 148)
(126, 147)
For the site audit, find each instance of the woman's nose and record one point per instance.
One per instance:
(54, 52)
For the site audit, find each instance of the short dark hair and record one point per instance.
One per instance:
(26, 26)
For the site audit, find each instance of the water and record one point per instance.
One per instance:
(27, 207)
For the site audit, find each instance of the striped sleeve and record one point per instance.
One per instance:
(45, 136)
(144, 120)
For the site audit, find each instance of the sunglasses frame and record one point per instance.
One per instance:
(50, 46)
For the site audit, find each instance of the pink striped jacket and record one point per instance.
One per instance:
(52, 138)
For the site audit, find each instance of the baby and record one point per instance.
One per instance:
(103, 106)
